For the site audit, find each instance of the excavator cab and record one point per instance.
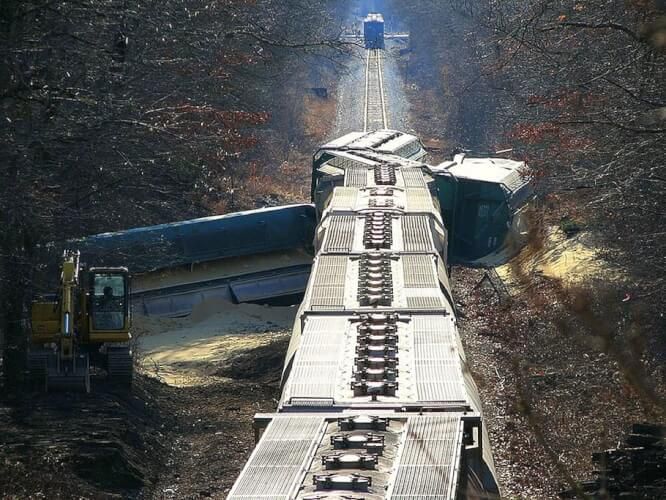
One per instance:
(106, 320)
(109, 305)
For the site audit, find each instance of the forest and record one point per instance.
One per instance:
(121, 114)
(577, 90)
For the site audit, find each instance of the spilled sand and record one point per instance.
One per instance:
(573, 260)
(189, 351)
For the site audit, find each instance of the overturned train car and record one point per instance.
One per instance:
(377, 398)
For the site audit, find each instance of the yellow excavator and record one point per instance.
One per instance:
(86, 324)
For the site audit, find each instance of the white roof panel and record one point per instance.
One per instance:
(496, 170)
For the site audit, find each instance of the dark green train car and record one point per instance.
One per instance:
(483, 202)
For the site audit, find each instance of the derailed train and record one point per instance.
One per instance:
(377, 400)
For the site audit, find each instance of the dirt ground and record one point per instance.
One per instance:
(185, 429)
(101, 445)
(213, 436)
(555, 340)
(158, 442)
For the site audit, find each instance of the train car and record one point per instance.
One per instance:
(373, 31)
(485, 202)
(377, 399)
(260, 256)
(362, 149)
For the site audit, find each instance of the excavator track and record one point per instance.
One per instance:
(38, 370)
(120, 365)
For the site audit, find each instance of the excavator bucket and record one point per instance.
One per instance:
(48, 373)
(71, 375)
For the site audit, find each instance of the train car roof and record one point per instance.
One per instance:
(509, 173)
(343, 141)
(381, 140)
(297, 457)
(417, 283)
(430, 371)
(408, 233)
(374, 17)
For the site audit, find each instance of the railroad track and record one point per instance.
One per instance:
(375, 117)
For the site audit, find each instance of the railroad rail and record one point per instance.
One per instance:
(375, 116)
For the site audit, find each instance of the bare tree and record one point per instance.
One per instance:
(118, 114)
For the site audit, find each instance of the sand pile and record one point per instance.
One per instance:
(573, 260)
(191, 351)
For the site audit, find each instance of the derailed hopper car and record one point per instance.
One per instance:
(261, 255)
(377, 399)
